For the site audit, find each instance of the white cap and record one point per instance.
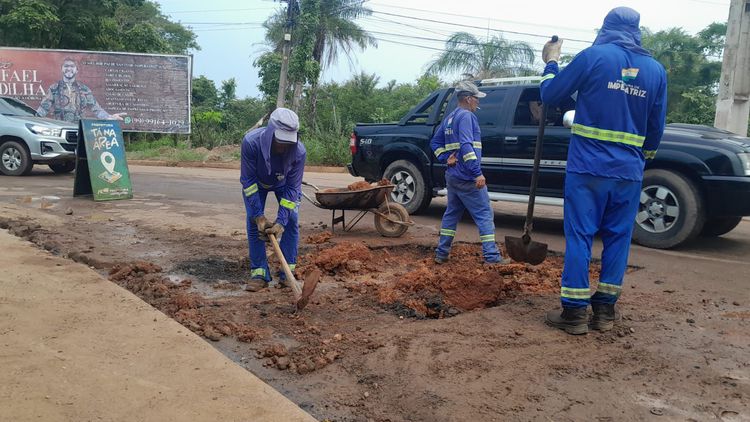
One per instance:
(468, 88)
(286, 123)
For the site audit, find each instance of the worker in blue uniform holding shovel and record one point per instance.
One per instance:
(458, 143)
(619, 121)
(273, 160)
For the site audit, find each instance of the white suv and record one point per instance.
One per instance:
(26, 140)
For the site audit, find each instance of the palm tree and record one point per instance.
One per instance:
(333, 28)
(497, 57)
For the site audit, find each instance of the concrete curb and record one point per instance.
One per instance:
(233, 165)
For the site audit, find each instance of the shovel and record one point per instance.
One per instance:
(301, 293)
(523, 249)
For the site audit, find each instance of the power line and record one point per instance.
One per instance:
(484, 18)
(477, 27)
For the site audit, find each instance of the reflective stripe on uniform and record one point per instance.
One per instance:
(610, 289)
(649, 154)
(292, 267)
(608, 135)
(258, 272)
(447, 232)
(251, 189)
(287, 203)
(470, 156)
(487, 238)
(573, 293)
(446, 148)
(477, 144)
(547, 77)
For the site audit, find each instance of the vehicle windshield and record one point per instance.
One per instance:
(13, 107)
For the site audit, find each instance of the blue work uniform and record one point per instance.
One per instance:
(619, 122)
(459, 134)
(262, 172)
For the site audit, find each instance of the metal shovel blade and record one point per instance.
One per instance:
(311, 282)
(523, 249)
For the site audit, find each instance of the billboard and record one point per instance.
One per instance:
(144, 92)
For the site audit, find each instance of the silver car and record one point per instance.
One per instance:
(26, 140)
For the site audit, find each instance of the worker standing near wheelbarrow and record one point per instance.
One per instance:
(458, 143)
(273, 160)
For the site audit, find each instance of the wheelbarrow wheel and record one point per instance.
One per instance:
(395, 212)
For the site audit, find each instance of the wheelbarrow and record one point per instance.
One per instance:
(391, 219)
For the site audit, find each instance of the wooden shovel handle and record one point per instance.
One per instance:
(288, 271)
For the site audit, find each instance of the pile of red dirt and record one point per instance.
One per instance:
(351, 257)
(465, 283)
(318, 238)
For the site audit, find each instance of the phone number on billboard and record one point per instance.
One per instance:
(160, 122)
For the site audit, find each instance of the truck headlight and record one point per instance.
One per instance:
(44, 130)
(745, 161)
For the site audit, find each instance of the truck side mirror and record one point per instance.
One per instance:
(568, 118)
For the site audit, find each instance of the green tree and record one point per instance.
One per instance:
(204, 93)
(228, 92)
(693, 69)
(475, 59)
(111, 25)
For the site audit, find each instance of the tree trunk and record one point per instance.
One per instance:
(314, 101)
(297, 96)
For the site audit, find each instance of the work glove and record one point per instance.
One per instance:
(452, 160)
(276, 230)
(263, 225)
(481, 182)
(551, 50)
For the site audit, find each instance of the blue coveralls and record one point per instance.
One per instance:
(619, 121)
(262, 172)
(459, 133)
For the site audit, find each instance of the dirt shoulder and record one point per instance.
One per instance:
(77, 347)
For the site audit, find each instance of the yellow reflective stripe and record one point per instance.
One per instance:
(451, 147)
(470, 156)
(608, 135)
(610, 289)
(574, 293)
(487, 238)
(439, 151)
(649, 154)
(258, 272)
(547, 77)
(287, 203)
(447, 232)
(251, 189)
(477, 144)
(292, 267)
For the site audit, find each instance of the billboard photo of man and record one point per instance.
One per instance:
(71, 100)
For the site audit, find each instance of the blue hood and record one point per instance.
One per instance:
(621, 27)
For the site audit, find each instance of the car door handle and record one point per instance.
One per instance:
(511, 140)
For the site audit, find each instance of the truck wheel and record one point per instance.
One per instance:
(14, 159)
(670, 210)
(411, 190)
(64, 167)
(720, 225)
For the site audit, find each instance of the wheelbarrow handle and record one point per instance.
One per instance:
(311, 185)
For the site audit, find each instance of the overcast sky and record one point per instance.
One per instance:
(411, 33)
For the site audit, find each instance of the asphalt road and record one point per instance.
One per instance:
(717, 265)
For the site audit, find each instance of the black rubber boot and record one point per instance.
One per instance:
(604, 316)
(572, 320)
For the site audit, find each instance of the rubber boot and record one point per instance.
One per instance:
(256, 284)
(572, 320)
(604, 316)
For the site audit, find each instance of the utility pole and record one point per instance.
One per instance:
(290, 10)
(733, 102)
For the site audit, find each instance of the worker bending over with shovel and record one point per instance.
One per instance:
(619, 121)
(458, 143)
(273, 160)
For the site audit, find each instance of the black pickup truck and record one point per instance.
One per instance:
(698, 184)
